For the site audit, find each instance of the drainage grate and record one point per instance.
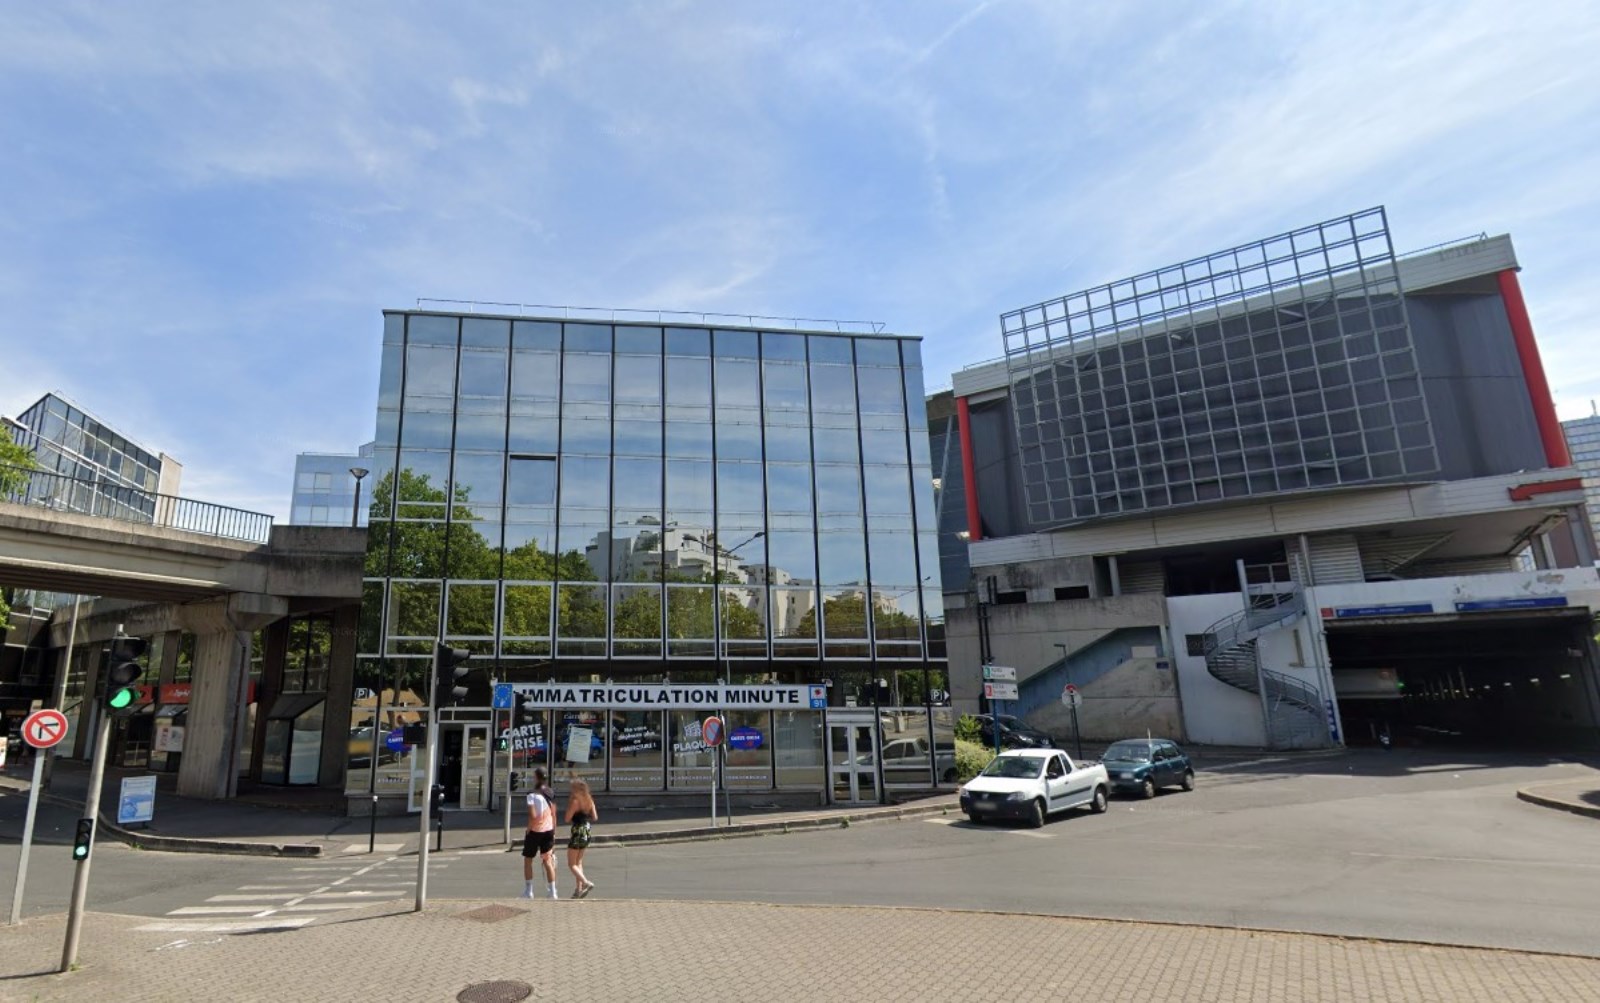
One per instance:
(495, 992)
(490, 914)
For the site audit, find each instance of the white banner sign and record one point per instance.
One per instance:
(656, 696)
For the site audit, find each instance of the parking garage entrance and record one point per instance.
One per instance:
(1523, 679)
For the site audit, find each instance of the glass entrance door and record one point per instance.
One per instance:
(852, 759)
(474, 782)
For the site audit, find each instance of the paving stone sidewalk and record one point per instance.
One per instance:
(604, 950)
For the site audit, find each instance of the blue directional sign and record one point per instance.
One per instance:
(1389, 609)
(1520, 602)
(502, 696)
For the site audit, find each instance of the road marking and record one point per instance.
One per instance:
(322, 906)
(237, 926)
(378, 848)
(974, 825)
(210, 910)
(1477, 860)
(279, 888)
(249, 898)
(470, 852)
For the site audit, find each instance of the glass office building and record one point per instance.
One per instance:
(327, 491)
(598, 503)
(103, 471)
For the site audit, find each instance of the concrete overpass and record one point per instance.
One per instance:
(159, 579)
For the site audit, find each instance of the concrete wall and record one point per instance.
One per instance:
(1214, 713)
(1025, 636)
(1125, 702)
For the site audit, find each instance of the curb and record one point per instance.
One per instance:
(742, 829)
(185, 844)
(237, 847)
(1559, 804)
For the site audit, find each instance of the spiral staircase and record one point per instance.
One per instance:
(1294, 713)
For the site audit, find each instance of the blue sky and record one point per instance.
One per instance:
(204, 208)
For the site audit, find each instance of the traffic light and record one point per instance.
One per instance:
(122, 670)
(520, 713)
(81, 841)
(448, 673)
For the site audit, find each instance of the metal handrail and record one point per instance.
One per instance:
(86, 496)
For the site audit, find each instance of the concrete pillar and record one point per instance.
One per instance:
(218, 700)
(341, 693)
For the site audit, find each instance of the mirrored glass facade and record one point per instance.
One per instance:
(591, 501)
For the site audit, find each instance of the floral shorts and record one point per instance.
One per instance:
(579, 840)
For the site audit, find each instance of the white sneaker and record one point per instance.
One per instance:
(527, 893)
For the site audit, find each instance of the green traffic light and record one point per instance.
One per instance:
(79, 852)
(121, 699)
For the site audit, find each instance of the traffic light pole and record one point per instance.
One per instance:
(428, 776)
(80, 877)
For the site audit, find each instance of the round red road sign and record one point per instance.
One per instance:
(711, 731)
(44, 728)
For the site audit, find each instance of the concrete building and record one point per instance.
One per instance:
(1276, 496)
(327, 488)
(666, 508)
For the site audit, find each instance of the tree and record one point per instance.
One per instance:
(846, 616)
(15, 463)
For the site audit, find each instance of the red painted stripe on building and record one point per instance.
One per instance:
(969, 473)
(1544, 407)
(1522, 492)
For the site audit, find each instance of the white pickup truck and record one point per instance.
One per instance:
(1032, 783)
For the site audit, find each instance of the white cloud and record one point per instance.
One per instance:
(218, 201)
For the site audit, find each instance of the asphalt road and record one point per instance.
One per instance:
(1403, 846)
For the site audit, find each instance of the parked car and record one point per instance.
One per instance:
(1030, 784)
(905, 760)
(1142, 765)
(1014, 734)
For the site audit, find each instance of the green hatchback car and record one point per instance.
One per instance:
(1143, 765)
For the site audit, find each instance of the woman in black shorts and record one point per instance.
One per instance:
(582, 813)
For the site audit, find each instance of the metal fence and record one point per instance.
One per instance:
(84, 496)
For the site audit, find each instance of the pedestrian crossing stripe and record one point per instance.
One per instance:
(240, 926)
(377, 848)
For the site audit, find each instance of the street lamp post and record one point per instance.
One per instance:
(1077, 735)
(355, 507)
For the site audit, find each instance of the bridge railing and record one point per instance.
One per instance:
(84, 496)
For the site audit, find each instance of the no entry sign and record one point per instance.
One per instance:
(44, 728)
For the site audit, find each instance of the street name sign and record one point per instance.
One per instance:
(1000, 691)
(999, 674)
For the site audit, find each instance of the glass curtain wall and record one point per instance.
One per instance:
(583, 501)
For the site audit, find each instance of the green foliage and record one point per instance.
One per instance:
(846, 617)
(15, 461)
(971, 758)
(969, 730)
